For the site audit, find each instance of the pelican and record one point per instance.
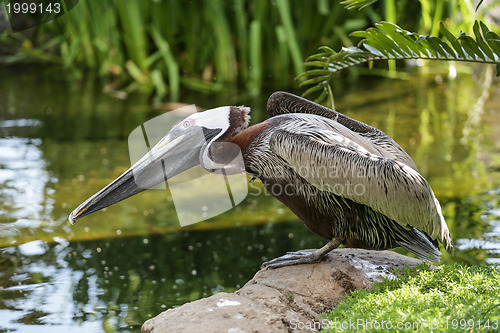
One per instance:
(348, 182)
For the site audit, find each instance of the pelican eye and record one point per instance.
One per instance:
(185, 124)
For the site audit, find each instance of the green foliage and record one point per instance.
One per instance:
(387, 41)
(357, 4)
(456, 298)
(158, 46)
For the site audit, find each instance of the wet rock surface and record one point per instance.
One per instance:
(287, 299)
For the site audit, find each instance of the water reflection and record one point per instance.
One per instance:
(119, 283)
(115, 269)
(486, 245)
(37, 288)
(24, 190)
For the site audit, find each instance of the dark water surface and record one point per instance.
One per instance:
(61, 141)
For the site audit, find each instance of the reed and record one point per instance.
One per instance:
(159, 46)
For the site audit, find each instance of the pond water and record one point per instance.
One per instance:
(62, 140)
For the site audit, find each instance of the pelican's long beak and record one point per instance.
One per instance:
(170, 156)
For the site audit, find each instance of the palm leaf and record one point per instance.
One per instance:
(357, 4)
(387, 41)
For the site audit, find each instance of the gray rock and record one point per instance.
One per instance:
(287, 299)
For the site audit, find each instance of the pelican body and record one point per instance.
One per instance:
(348, 182)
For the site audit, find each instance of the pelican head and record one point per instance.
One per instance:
(194, 141)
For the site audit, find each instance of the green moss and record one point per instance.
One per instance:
(452, 298)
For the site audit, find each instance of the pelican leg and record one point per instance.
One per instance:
(303, 257)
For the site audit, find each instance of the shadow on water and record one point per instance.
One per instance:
(61, 141)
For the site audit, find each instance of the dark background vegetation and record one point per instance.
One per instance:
(160, 47)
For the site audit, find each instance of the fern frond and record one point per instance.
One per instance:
(387, 41)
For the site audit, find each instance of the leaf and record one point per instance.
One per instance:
(323, 95)
(479, 4)
(387, 41)
(482, 45)
(312, 89)
(406, 45)
(437, 46)
(495, 46)
(452, 39)
(357, 4)
(470, 47)
(315, 80)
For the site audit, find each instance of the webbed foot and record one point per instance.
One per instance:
(303, 257)
(293, 258)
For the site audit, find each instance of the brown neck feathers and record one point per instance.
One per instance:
(244, 138)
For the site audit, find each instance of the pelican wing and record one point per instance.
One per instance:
(281, 102)
(335, 163)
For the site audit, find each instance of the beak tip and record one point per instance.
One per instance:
(72, 218)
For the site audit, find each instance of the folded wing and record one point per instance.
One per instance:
(281, 102)
(346, 166)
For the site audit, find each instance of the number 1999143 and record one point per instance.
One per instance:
(33, 8)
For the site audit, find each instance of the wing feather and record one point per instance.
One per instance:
(280, 103)
(335, 163)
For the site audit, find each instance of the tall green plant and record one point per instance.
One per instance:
(158, 46)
